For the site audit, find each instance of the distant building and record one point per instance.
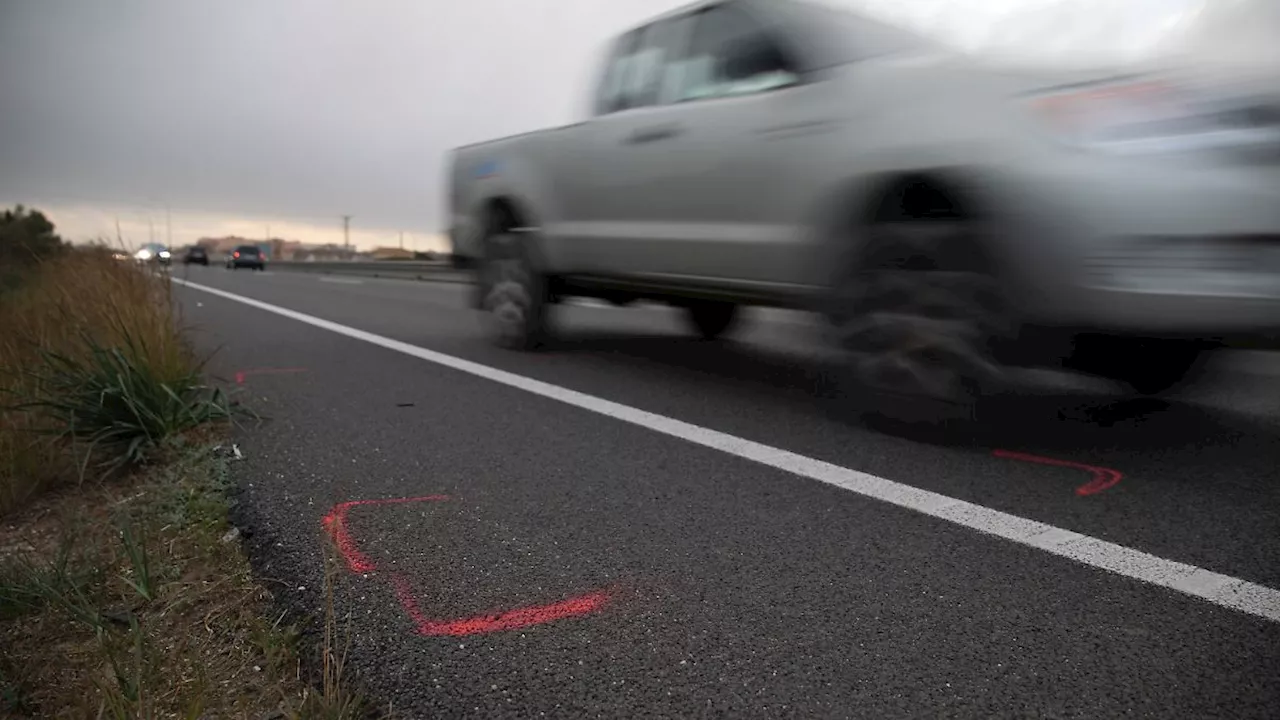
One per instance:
(391, 253)
(223, 245)
(329, 252)
(288, 250)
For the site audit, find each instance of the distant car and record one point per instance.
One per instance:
(249, 256)
(196, 256)
(153, 252)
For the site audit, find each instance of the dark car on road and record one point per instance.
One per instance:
(249, 256)
(196, 256)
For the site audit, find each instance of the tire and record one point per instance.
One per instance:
(1148, 366)
(920, 316)
(711, 318)
(513, 293)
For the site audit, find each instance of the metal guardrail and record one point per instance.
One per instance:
(427, 271)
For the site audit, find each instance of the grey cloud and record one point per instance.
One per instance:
(301, 108)
(307, 109)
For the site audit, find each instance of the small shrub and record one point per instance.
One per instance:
(26, 237)
(117, 405)
(93, 371)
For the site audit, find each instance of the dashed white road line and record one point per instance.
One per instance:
(340, 280)
(1224, 590)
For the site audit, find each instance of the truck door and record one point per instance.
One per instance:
(629, 153)
(745, 123)
(687, 163)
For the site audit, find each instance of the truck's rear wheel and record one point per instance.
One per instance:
(711, 318)
(513, 293)
(920, 316)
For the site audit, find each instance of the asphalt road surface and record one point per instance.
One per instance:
(634, 523)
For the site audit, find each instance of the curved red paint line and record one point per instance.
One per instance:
(1103, 477)
(507, 620)
(242, 374)
(335, 523)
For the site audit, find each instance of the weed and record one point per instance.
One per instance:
(336, 700)
(14, 694)
(29, 584)
(93, 367)
(94, 372)
(278, 645)
(111, 401)
(140, 578)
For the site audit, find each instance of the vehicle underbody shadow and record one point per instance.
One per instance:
(1034, 419)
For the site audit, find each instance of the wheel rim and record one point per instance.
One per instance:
(920, 313)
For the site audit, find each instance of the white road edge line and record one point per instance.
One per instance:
(1224, 590)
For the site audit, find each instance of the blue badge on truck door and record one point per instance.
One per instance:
(487, 169)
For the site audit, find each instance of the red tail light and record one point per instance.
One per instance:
(235, 254)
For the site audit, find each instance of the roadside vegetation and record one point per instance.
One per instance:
(124, 592)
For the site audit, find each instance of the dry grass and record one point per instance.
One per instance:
(65, 307)
(125, 601)
(119, 596)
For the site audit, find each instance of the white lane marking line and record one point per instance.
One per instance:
(1224, 590)
(340, 281)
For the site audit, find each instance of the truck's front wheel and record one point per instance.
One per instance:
(513, 293)
(919, 317)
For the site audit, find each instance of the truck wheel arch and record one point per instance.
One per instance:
(944, 191)
(504, 213)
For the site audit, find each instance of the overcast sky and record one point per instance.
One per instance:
(243, 114)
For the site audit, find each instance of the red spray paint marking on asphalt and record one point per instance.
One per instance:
(507, 620)
(335, 523)
(242, 374)
(1103, 478)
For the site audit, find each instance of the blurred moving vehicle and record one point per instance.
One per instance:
(196, 255)
(950, 217)
(247, 256)
(153, 252)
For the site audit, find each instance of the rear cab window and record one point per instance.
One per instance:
(638, 72)
(730, 54)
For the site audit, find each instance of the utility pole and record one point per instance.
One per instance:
(346, 232)
(168, 227)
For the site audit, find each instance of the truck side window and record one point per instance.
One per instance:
(612, 94)
(731, 55)
(645, 73)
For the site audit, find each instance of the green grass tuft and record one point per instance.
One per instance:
(116, 405)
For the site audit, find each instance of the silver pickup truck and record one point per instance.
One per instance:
(948, 217)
